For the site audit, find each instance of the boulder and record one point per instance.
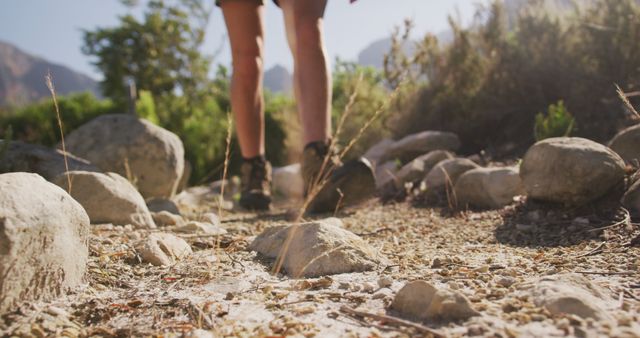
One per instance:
(186, 176)
(287, 181)
(417, 169)
(108, 198)
(148, 155)
(489, 188)
(570, 170)
(43, 240)
(317, 249)
(163, 249)
(378, 151)
(412, 146)
(627, 144)
(46, 162)
(421, 301)
(631, 199)
(571, 293)
(447, 172)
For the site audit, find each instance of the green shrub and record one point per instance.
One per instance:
(491, 81)
(556, 123)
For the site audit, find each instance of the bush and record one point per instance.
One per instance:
(556, 123)
(491, 81)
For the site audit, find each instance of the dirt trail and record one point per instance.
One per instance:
(231, 293)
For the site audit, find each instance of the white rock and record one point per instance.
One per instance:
(46, 162)
(166, 219)
(415, 145)
(421, 301)
(489, 188)
(447, 172)
(317, 249)
(195, 227)
(570, 170)
(108, 198)
(125, 144)
(573, 294)
(43, 240)
(287, 181)
(163, 249)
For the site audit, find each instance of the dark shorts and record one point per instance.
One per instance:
(260, 1)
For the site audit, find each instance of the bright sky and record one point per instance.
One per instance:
(53, 29)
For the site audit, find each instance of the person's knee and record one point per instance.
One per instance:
(309, 36)
(248, 63)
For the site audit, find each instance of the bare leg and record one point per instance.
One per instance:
(245, 24)
(312, 76)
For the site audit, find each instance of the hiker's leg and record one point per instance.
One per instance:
(311, 67)
(290, 29)
(245, 25)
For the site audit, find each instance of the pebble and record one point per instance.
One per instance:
(368, 287)
(506, 281)
(385, 281)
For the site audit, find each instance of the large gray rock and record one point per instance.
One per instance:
(31, 158)
(412, 146)
(378, 151)
(163, 249)
(627, 144)
(317, 249)
(108, 198)
(150, 156)
(43, 240)
(571, 294)
(417, 169)
(489, 188)
(421, 301)
(447, 172)
(386, 173)
(570, 170)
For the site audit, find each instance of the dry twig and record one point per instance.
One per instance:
(393, 321)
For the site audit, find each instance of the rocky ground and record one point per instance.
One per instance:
(499, 260)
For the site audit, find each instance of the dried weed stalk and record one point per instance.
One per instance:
(49, 81)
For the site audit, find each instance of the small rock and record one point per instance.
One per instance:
(385, 281)
(446, 173)
(421, 301)
(210, 217)
(382, 294)
(166, 219)
(571, 171)
(490, 188)
(161, 204)
(571, 294)
(417, 169)
(505, 281)
(201, 228)
(317, 249)
(163, 249)
(368, 287)
(287, 181)
(108, 198)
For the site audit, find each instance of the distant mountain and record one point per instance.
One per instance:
(278, 80)
(22, 77)
(373, 54)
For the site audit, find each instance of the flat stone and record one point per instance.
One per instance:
(421, 301)
(163, 249)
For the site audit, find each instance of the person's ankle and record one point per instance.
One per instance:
(255, 159)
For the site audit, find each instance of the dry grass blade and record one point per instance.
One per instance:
(49, 81)
(323, 179)
(626, 102)
(226, 163)
(393, 321)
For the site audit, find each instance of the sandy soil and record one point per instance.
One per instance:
(224, 289)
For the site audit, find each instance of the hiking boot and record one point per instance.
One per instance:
(344, 184)
(255, 184)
